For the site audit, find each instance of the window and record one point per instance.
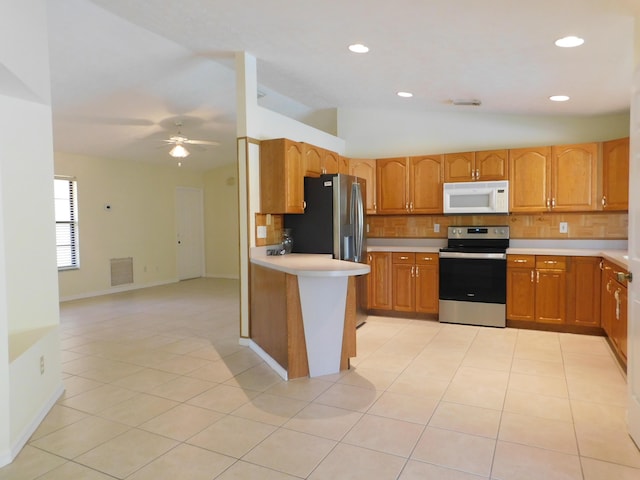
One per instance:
(64, 192)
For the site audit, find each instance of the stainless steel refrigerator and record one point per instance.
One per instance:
(334, 222)
(334, 218)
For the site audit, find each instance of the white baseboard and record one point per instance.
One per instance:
(222, 275)
(8, 456)
(267, 358)
(119, 289)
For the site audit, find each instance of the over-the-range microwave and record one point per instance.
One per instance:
(476, 197)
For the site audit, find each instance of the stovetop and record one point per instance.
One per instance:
(489, 239)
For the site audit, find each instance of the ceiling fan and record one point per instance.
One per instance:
(179, 141)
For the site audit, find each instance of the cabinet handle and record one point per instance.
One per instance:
(411, 206)
(477, 174)
(550, 262)
(519, 260)
(404, 258)
(548, 204)
(406, 206)
(616, 295)
(537, 276)
(417, 271)
(370, 258)
(553, 202)
(531, 276)
(304, 205)
(413, 271)
(601, 264)
(604, 200)
(621, 276)
(427, 259)
(609, 286)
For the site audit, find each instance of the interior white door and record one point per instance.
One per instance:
(633, 337)
(190, 232)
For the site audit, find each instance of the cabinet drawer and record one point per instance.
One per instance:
(427, 258)
(551, 262)
(403, 258)
(521, 261)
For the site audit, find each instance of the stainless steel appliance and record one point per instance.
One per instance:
(334, 218)
(334, 222)
(476, 197)
(473, 276)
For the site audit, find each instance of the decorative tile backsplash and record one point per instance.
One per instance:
(608, 226)
(593, 226)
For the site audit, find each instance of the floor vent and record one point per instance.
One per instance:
(121, 271)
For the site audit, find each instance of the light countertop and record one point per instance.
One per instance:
(310, 265)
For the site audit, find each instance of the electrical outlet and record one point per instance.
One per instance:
(262, 231)
(41, 364)
(564, 227)
(436, 228)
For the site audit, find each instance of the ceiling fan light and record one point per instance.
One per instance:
(179, 151)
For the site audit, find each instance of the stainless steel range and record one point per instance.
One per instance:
(473, 276)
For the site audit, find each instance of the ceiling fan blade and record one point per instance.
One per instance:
(201, 142)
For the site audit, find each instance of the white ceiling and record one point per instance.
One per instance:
(124, 72)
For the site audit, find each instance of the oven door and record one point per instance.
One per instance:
(473, 277)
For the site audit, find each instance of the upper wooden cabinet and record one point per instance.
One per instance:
(409, 185)
(476, 166)
(561, 178)
(366, 169)
(281, 176)
(615, 175)
(318, 161)
(529, 171)
(574, 177)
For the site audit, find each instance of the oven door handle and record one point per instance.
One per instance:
(481, 256)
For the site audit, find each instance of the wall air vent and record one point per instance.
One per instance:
(121, 271)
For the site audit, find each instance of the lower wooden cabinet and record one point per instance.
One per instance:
(415, 282)
(379, 285)
(536, 288)
(583, 291)
(614, 307)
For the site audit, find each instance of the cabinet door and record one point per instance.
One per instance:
(583, 291)
(492, 165)
(574, 177)
(281, 179)
(425, 184)
(459, 167)
(607, 307)
(529, 174)
(550, 296)
(620, 320)
(521, 294)
(330, 162)
(380, 293)
(366, 169)
(392, 179)
(344, 165)
(312, 160)
(427, 283)
(404, 299)
(615, 175)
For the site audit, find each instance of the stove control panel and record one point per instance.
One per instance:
(476, 232)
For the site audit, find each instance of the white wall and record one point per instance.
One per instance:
(140, 224)
(221, 222)
(384, 133)
(28, 274)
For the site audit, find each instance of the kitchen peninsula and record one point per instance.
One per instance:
(303, 312)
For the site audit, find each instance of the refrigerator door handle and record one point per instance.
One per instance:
(359, 224)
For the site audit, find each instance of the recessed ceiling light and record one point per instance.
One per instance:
(559, 98)
(358, 48)
(570, 41)
(405, 94)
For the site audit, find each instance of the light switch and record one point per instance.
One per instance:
(262, 232)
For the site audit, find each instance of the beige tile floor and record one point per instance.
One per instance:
(157, 387)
